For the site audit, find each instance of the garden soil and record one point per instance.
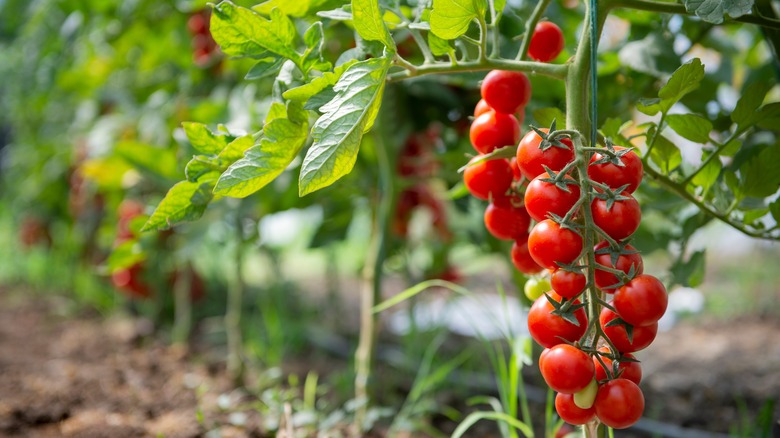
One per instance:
(82, 376)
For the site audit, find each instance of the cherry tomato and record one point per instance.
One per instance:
(546, 42)
(522, 259)
(605, 279)
(481, 108)
(616, 176)
(641, 301)
(535, 288)
(549, 244)
(570, 412)
(507, 221)
(542, 355)
(628, 369)
(549, 330)
(130, 281)
(543, 197)
(488, 178)
(531, 160)
(642, 335)
(621, 220)
(568, 284)
(619, 403)
(515, 170)
(506, 91)
(567, 369)
(492, 130)
(198, 23)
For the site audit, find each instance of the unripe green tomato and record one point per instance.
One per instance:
(584, 399)
(535, 287)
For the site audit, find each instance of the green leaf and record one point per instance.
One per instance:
(691, 272)
(690, 126)
(185, 201)
(338, 132)
(684, 80)
(731, 148)
(774, 209)
(769, 117)
(284, 134)
(336, 14)
(125, 255)
(159, 161)
(314, 37)
(203, 140)
(266, 66)
(296, 8)
(747, 106)
(368, 22)
(545, 117)
(709, 174)
(451, 18)
(759, 176)
(732, 182)
(714, 11)
(650, 55)
(665, 154)
(242, 32)
(328, 79)
(498, 6)
(439, 46)
(107, 172)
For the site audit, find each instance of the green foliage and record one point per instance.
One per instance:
(451, 18)
(714, 11)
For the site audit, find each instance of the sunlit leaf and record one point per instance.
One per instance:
(451, 18)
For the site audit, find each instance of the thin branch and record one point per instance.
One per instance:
(677, 8)
(556, 71)
(530, 25)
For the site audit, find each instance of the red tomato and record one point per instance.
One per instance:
(542, 355)
(128, 210)
(531, 160)
(549, 330)
(567, 369)
(549, 244)
(568, 284)
(627, 369)
(198, 23)
(621, 220)
(642, 335)
(506, 91)
(619, 403)
(488, 178)
(522, 259)
(570, 412)
(542, 197)
(546, 42)
(130, 281)
(642, 301)
(605, 279)
(33, 231)
(616, 176)
(515, 170)
(492, 130)
(481, 108)
(507, 221)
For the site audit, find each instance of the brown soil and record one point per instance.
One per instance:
(80, 377)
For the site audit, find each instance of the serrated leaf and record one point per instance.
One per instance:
(451, 18)
(368, 22)
(339, 14)
(282, 139)
(185, 201)
(338, 132)
(714, 11)
(684, 80)
(708, 174)
(690, 126)
(439, 46)
(747, 105)
(200, 165)
(666, 154)
(266, 66)
(318, 100)
(759, 176)
(307, 91)
(546, 116)
(242, 32)
(203, 139)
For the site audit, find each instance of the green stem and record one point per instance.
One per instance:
(656, 133)
(235, 363)
(679, 8)
(483, 31)
(494, 53)
(555, 71)
(182, 322)
(530, 25)
(423, 45)
(713, 155)
(372, 285)
(723, 217)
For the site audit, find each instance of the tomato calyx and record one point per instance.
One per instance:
(566, 308)
(620, 322)
(551, 138)
(610, 155)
